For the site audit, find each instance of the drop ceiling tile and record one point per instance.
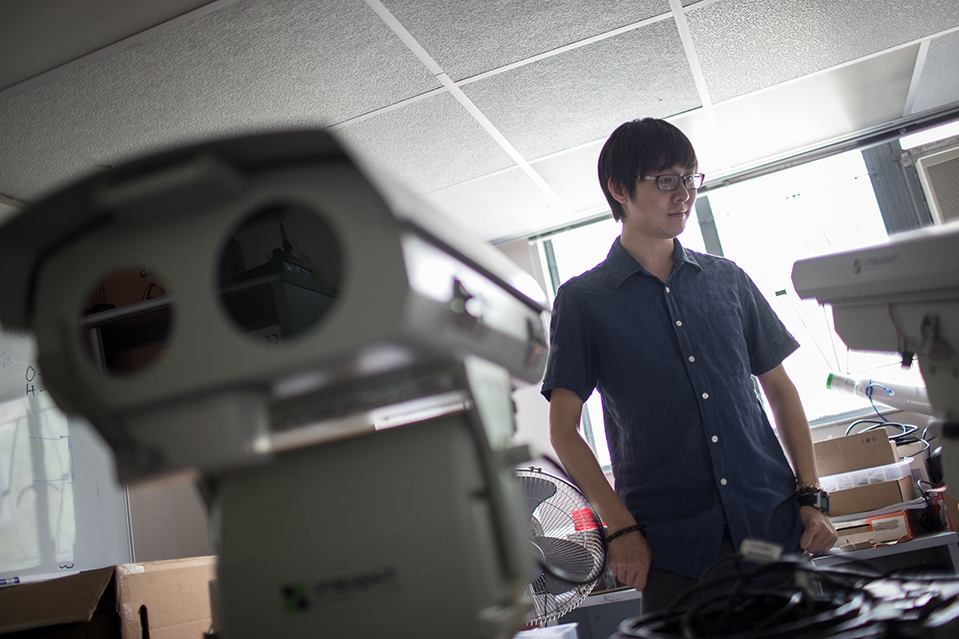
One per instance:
(252, 66)
(573, 176)
(581, 95)
(69, 30)
(701, 131)
(816, 110)
(938, 83)
(428, 144)
(466, 37)
(501, 206)
(746, 46)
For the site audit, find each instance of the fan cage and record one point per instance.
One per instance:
(572, 538)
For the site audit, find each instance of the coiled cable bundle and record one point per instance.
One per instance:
(792, 599)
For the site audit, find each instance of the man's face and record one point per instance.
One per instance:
(658, 214)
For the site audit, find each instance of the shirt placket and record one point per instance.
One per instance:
(691, 349)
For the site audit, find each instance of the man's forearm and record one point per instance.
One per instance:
(582, 466)
(792, 424)
(630, 555)
(798, 444)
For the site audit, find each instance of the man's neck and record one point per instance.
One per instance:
(656, 255)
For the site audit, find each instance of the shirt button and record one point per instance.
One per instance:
(715, 439)
(692, 359)
(679, 322)
(723, 481)
(667, 289)
(705, 395)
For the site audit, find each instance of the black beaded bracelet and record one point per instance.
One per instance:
(620, 533)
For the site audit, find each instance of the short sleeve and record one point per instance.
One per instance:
(572, 361)
(767, 338)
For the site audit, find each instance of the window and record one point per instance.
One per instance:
(764, 225)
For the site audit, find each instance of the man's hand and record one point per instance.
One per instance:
(629, 557)
(818, 535)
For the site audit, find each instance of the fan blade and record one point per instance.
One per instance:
(568, 558)
(537, 553)
(536, 490)
(535, 527)
(547, 584)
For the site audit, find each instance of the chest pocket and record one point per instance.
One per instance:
(726, 344)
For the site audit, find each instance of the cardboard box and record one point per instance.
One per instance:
(871, 497)
(159, 599)
(854, 452)
(884, 529)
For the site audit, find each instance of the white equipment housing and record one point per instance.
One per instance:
(900, 297)
(300, 298)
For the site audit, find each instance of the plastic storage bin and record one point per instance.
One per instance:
(875, 475)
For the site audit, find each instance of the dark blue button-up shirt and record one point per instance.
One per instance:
(690, 443)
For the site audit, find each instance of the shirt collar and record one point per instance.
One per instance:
(621, 264)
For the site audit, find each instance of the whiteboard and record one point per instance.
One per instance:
(61, 507)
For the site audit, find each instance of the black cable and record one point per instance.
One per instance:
(789, 599)
(813, 620)
(906, 429)
(740, 595)
(904, 438)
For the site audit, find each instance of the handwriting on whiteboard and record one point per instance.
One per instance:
(32, 375)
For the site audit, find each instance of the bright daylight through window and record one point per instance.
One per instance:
(765, 225)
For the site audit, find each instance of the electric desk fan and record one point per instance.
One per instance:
(568, 542)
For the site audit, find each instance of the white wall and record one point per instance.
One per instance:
(532, 416)
(169, 520)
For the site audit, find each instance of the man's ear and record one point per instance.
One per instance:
(617, 190)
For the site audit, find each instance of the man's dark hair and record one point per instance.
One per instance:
(638, 148)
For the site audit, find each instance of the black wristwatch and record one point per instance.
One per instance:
(814, 496)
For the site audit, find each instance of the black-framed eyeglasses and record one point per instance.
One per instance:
(671, 182)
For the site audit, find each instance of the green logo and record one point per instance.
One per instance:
(301, 597)
(295, 598)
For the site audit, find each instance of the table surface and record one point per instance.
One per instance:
(928, 542)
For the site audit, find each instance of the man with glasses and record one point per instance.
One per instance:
(672, 339)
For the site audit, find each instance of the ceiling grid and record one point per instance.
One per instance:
(916, 77)
(679, 14)
(64, 51)
(494, 112)
(457, 93)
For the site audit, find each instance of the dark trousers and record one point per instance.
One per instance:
(662, 585)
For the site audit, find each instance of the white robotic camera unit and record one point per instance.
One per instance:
(251, 310)
(900, 297)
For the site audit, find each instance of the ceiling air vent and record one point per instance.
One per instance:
(939, 174)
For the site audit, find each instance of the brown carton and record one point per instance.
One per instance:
(870, 497)
(883, 529)
(158, 599)
(854, 452)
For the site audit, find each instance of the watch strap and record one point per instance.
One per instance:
(818, 499)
